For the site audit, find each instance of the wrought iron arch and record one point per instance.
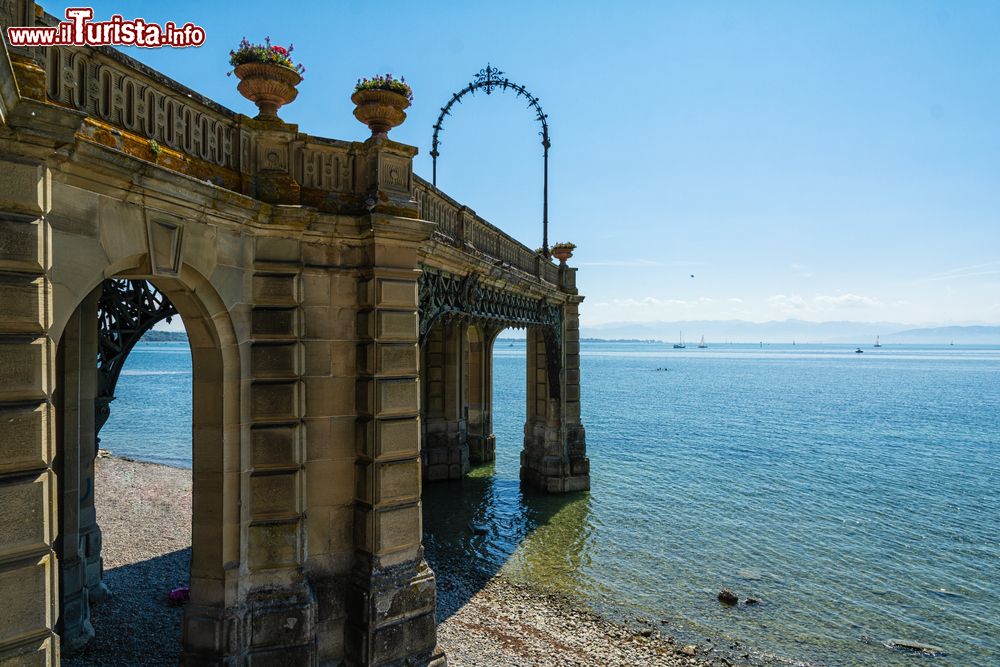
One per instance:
(445, 296)
(489, 79)
(126, 310)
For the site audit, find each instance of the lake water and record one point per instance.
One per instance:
(856, 495)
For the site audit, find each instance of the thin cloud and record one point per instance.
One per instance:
(821, 303)
(634, 263)
(973, 271)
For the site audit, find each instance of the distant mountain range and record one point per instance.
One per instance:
(786, 331)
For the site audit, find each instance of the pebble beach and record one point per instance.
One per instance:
(144, 511)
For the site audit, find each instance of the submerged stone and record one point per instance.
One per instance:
(911, 645)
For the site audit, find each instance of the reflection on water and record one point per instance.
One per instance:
(854, 494)
(476, 526)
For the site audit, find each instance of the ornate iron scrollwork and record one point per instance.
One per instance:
(126, 310)
(489, 79)
(444, 295)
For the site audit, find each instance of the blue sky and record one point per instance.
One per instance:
(802, 159)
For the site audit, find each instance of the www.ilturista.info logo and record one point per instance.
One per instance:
(79, 30)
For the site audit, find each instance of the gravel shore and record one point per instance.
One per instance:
(145, 509)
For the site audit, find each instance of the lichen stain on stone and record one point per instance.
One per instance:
(385, 604)
(105, 134)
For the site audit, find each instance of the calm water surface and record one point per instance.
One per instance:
(858, 496)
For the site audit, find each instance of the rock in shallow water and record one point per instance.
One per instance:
(910, 645)
(726, 596)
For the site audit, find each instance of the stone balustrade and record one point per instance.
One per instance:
(461, 226)
(138, 110)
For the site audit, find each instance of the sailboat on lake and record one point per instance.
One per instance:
(877, 344)
(680, 345)
(702, 345)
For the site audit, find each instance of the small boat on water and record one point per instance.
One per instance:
(877, 344)
(680, 345)
(702, 345)
(859, 351)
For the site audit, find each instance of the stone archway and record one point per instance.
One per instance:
(215, 447)
(300, 265)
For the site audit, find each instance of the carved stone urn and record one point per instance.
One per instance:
(380, 110)
(562, 252)
(267, 85)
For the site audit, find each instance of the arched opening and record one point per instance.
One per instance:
(166, 523)
(507, 386)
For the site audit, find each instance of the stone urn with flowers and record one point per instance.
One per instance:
(380, 102)
(562, 252)
(268, 75)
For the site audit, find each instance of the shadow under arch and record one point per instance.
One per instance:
(476, 526)
(215, 442)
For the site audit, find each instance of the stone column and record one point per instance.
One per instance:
(79, 539)
(554, 457)
(574, 435)
(446, 450)
(28, 490)
(282, 606)
(543, 459)
(391, 599)
(479, 354)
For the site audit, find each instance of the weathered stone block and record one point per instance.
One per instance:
(281, 621)
(275, 288)
(274, 322)
(330, 437)
(274, 495)
(34, 653)
(318, 360)
(273, 249)
(397, 481)
(24, 187)
(274, 360)
(25, 521)
(396, 437)
(329, 396)
(315, 287)
(396, 293)
(273, 545)
(24, 369)
(22, 244)
(394, 397)
(24, 438)
(397, 528)
(396, 325)
(273, 446)
(26, 589)
(22, 304)
(274, 400)
(407, 637)
(343, 291)
(329, 482)
(397, 358)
